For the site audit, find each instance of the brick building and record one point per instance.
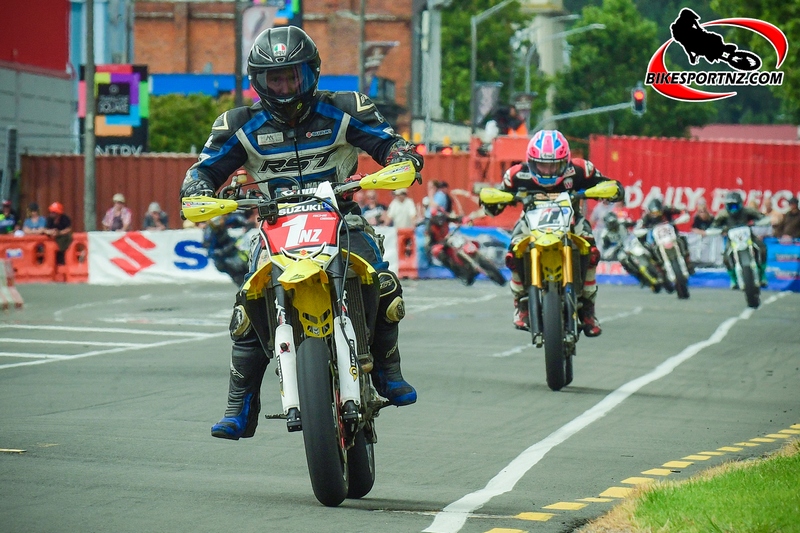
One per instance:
(198, 37)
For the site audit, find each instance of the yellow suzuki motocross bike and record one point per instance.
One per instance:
(553, 270)
(312, 304)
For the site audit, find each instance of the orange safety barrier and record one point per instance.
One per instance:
(76, 259)
(33, 257)
(407, 254)
(9, 295)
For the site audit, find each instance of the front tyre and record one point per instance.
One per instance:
(322, 433)
(490, 269)
(752, 289)
(555, 360)
(681, 283)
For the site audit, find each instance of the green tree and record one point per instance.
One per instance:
(784, 15)
(605, 65)
(178, 122)
(495, 57)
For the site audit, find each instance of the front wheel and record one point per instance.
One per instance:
(322, 433)
(490, 269)
(681, 283)
(752, 289)
(555, 360)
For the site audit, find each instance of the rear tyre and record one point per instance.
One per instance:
(553, 325)
(322, 433)
(361, 466)
(490, 269)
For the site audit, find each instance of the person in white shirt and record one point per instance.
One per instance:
(402, 211)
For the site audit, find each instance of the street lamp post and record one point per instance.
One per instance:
(473, 64)
(529, 55)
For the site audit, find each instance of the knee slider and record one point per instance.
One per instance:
(391, 304)
(240, 323)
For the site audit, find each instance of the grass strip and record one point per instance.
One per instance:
(754, 496)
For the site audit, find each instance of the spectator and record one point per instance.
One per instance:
(155, 219)
(702, 218)
(59, 226)
(35, 223)
(372, 210)
(775, 218)
(789, 227)
(8, 219)
(442, 197)
(119, 216)
(402, 212)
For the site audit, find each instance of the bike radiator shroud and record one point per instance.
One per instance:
(355, 302)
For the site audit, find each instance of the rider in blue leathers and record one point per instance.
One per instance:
(297, 131)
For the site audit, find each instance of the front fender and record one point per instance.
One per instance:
(308, 285)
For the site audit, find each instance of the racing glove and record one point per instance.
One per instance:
(405, 152)
(493, 209)
(348, 195)
(196, 185)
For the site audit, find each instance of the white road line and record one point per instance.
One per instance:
(28, 355)
(453, 517)
(82, 343)
(107, 330)
(445, 302)
(522, 348)
(116, 350)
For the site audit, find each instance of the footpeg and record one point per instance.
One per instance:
(293, 422)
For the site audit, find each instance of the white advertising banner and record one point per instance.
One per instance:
(139, 257)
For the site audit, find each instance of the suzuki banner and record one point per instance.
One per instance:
(172, 256)
(139, 257)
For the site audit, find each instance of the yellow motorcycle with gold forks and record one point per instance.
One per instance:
(553, 271)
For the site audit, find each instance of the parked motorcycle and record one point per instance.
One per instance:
(553, 275)
(312, 304)
(744, 256)
(460, 254)
(670, 257)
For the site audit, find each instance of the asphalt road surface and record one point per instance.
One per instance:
(108, 394)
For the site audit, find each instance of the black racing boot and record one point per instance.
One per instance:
(248, 363)
(591, 326)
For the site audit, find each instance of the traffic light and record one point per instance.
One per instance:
(638, 100)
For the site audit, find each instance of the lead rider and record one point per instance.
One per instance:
(296, 132)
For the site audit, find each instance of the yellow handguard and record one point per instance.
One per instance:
(204, 208)
(603, 190)
(395, 176)
(490, 195)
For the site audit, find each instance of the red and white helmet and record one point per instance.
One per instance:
(548, 157)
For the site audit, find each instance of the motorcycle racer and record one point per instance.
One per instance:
(549, 168)
(657, 213)
(736, 214)
(297, 136)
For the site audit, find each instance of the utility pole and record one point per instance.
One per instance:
(237, 62)
(362, 31)
(89, 182)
